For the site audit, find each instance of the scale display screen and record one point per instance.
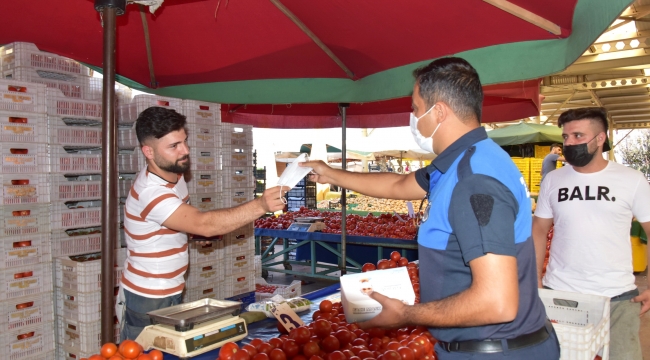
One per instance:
(216, 336)
(299, 227)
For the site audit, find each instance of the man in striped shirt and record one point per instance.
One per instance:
(158, 219)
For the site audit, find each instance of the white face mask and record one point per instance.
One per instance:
(425, 143)
(292, 175)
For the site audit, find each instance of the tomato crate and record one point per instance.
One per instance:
(127, 138)
(82, 273)
(208, 291)
(240, 283)
(75, 161)
(581, 323)
(25, 54)
(22, 96)
(24, 219)
(204, 159)
(26, 280)
(22, 127)
(203, 113)
(239, 262)
(237, 156)
(76, 241)
(26, 311)
(80, 87)
(76, 187)
(233, 244)
(129, 160)
(124, 184)
(128, 113)
(212, 252)
(79, 136)
(82, 336)
(24, 250)
(24, 189)
(78, 306)
(201, 182)
(75, 214)
(236, 197)
(236, 135)
(204, 274)
(202, 135)
(24, 158)
(238, 177)
(70, 108)
(69, 353)
(30, 343)
(206, 202)
(264, 290)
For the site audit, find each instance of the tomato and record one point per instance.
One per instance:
(392, 355)
(277, 354)
(301, 335)
(365, 354)
(108, 350)
(276, 343)
(412, 265)
(337, 355)
(250, 349)
(256, 343)
(355, 358)
(348, 353)
(310, 349)
(281, 328)
(291, 348)
(376, 332)
(357, 349)
(325, 306)
(359, 342)
(330, 343)
(299, 357)
(353, 327)
(316, 357)
(265, 348)
(406, 353)
(392, 264)
(261, 356)
(383, 264)
(393, 345)
(368, 267)
(316, 314)
(129, 349)
(344, 336)
(402, 262)
(322, 328)
(419, 350)
(395, 256)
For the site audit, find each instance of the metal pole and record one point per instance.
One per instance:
(109, 9)
(344, 167)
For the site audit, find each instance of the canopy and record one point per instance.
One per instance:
(408, 155)
(526, 133)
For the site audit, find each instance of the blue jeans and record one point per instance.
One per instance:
(135, 316)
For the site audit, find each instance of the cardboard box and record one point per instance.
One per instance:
(358, 306)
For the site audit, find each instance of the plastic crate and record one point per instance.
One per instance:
(258, 266)
(72, 87)
(233, 245)
(203, 135)
(24, 158)
(236, 197)
(76, 214)
(79, 136)
(206, 202)
(238, 262)
(73, 109)
(76, 187)
(536, 166)
(26, 280)
(129, 161)
(240, 283)
(69, 353)
(201, 182)
(245, 299)
(202, 113)
(82, 276)
(204, 274)
(82, 336)
(120, 256)
(260, 174)
(22, 96)
(23, 127)
(237, 156)
(26, 311)
(24, 250)
(75, 161)
(209, 291)
(236, 135)
(24, 189)
(128, 113)
(541, 151)
(237, 177)
(127, 138)
(79, 306)
(24, 219)
(204, 159)
(124, 184)
(19, 54)
(583, 330)
(210, 253)
(286, 291)
(76, 241)
(30, 343)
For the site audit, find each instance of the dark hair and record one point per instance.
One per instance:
(454, 81)
(556, 145)
(596, 114)
(157, 122)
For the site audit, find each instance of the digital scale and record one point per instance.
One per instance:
(307, 224)
(191, 329)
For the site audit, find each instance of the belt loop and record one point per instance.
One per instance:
(504, 347)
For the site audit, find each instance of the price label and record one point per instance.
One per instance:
(409, 206)
(286, 316)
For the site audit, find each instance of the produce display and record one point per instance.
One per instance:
(127, 349)
(367, 203)
(384, 225)
(268, 289)
(397, 260)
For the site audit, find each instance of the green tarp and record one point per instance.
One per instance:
(526, 133)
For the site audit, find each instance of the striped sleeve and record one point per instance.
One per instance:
(164, 202)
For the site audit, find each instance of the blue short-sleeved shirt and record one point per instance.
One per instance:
(479, 205)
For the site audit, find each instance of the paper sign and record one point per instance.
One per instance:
(409, 206)
(286, 316)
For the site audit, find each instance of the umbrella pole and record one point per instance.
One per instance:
(109, 9)
(344, 256)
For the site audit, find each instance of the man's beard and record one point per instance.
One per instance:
(174, 167)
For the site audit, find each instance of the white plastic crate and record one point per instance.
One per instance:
(204, 159)
(19, 54)
(286, 291)
(239, 283)
(82, 336)
(26, 311)
(236, 197)
(76, 214)
(59, 105)
(127, 138)
(237, 156)
(204, 113)
(233, 245)
(206, 202)
(238, 177)
(80, 306)
(76, 241)
(583, 330)
(124, 184)
(75, 161)
(128, 113)
(209, 291)
(82, 276)
(76, 187)
(80, 136)
(210, 253)
(239, 262)
(24, 250)
(258, 266)
(204, 274)
(24, 189)
(202, 135)
(236, 135)
(25, 219)
(26, 280)
(22, 96)
(69, 353)
(201, 182)
(73, 87)
(23, 127)
(128, 160)
(24, 158)
(30, 343)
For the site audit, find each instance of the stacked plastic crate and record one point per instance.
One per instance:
(239, 250)
(26, 321)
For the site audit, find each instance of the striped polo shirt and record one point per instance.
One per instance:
(157, 257)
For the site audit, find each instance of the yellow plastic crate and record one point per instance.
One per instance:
(542, 150)
(536, 166)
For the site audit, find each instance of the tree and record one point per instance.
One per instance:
(635, 152)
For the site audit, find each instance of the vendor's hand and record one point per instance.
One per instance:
(271, 200)
(319, 170)
(644, 299)
(392, 313)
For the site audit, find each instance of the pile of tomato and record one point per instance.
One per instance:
(128, 349)
(330, 337)
(269, 289)
(384, 225)
(397, 260)
(549, 238)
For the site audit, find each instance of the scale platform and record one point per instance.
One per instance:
(191, 329)
(307, 224)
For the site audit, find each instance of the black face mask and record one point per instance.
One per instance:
(579, 155)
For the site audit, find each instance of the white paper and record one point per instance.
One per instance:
(294, 172)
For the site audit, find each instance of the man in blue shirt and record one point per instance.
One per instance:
(550, 161)
(477, 260)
